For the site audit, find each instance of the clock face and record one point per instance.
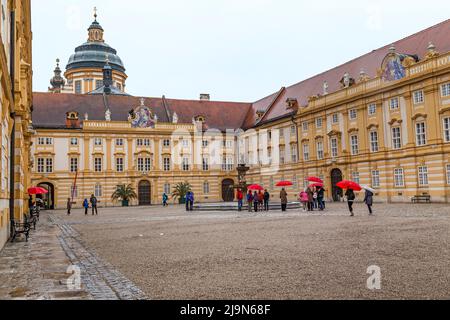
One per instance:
(143, 118)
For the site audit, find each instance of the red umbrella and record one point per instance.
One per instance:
(317, 185)
(284, 184)
(314, 179)
(37, 190)
(346, 184)
(256, 187)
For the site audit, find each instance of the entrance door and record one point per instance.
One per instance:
(228, 190)
(48, 198)
(336, 177)
(144, 192)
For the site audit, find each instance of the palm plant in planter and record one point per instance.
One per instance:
(180, 191)
(125, 194)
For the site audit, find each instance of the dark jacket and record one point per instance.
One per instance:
(350, 195)
(320, 193)
(368, 199)
(94, 201)
(266, 196)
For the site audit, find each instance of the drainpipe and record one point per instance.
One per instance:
(12, 115)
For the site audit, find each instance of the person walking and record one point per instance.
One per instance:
(190, 201)
(86, 206)
(320, 197)
(165, 198)
(303, 197)
(94, 202)
(255, 201)
(261, 201)
(284, 199)
(250, 200)
(266, 200)
(315, 200)
(368, 200)
(69, 206)
(310, 199)
(350, 199)
(240, 198)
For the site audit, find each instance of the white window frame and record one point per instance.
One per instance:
(98, 164)
(335, 118)
(372, 109)
(422, 172)
(334, 146)
(294, 152)
(376, 178)
(446, 127)
(166, 188)
(421, 133)
(305, 126)
(49, 165)
(396, 138)
(305, 149)
(356, 177)
(166, 163)
(73, 164)
(354, 143)
(98, 142)
(206, 187)
(166, 143)
(185, 165)
(445, 89)
(399, 178)
(98, 190)
(74, 141)
(394, 103)
(374, 146)
(320, 150)
(319, 123)
(120, 164)
(353, 114)
(119, 142)
(418, 97)
(448, 173)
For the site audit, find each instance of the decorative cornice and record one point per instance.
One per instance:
(372, 125)
(419, 115)
(334, 133)
(399, 121)
(353, 130)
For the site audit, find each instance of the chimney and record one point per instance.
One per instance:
(205, 97)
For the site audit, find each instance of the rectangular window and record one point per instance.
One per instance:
(119, 142)
(98, 141)
(282, 155)
(73, 164)
(185, 164)
(394, 103)
(206, 187)
(41, 141)
(166, 188)
(293, 130)
(305, 126)
(306, 152)
(399, 178)
(421, 136)
(78, 87)
(185, 143)
(293, 153)
(73, 141)
(98, 164)
(49, 141)
(374, 141)
(447, 129)
(445, 89)
(372, 109)
(98, 191)
(205, 164)
(144, 164)
(49, 165)
(376, 178)
(448, 174)
(334, 147)
(319, 123)
(335, 118)
(352, 114)
(423, 176)
(166, 143)
(98, 84)
(143, 142)
(355, 177)
(354, 145)
(166, 164)
(205, 143)
(230, 163)
(396, 138)
(40, 165)
(418, 97)
(320, 153)
(119, 164)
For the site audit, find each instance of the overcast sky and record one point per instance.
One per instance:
(238, 50)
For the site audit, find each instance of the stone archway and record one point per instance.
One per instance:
(228, 190)
(336, 192)
(144, 193)
(49, 198)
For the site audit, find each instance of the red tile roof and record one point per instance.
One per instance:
(50, 109)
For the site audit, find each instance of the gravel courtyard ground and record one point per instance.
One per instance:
(171, 254)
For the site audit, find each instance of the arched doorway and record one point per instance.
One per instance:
(49, 198)
(336, 176)
(144, 193)
(228, 190)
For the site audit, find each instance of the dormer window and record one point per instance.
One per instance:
(72, 115)
(259, 114)
(291, 103)
(200, 118)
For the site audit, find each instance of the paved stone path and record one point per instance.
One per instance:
(38, 269)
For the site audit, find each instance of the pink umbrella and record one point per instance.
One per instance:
(315, 179)
(37, 190)
(346, 184)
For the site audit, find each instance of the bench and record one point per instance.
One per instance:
(422, 198)
(20, 228)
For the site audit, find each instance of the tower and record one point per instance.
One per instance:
(57, 81)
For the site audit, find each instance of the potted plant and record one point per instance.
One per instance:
(180, 191)
(125, 194)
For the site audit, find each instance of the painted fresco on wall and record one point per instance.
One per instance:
(392, 68)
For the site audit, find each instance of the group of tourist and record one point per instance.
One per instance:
(92, 202)
(257, 201)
